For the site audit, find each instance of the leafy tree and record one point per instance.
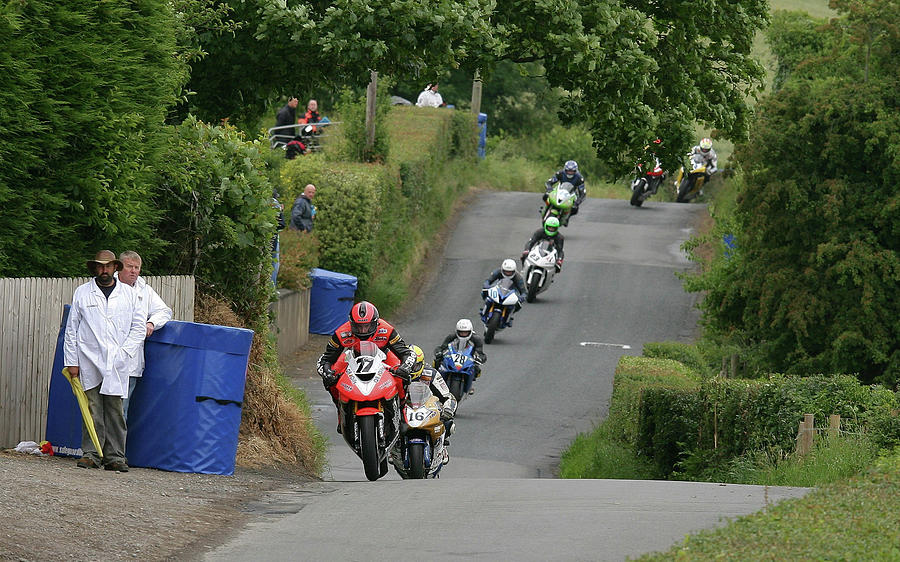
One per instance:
(794, 37)
(815, 284)
(85, 87)
(633, 70)
(215, 198)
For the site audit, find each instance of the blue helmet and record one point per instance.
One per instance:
(570, 168)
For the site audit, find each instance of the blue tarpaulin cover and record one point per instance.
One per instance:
(185, 413)
(63, 416)
(330, 300)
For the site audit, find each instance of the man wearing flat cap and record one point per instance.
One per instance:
(106, 327)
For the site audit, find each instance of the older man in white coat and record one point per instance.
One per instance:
(158, 312)
(105, 330)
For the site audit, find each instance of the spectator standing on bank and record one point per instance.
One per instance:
(158, 313)
(430, 97)
(304, 212)
(287, 115)
(312, 113)
(104, 333)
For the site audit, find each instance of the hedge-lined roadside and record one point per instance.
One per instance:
(666, 420)
(375, 221)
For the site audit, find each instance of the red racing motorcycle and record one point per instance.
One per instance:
(370, 399)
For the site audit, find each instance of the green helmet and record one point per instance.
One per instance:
(551, 226)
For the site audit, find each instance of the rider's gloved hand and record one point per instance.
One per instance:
(559, 265)
(524, 255)
(330, 378)
(446, 414)
(402, 372)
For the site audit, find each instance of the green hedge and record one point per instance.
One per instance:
(375, 221)
(688, 354)
(691, 430)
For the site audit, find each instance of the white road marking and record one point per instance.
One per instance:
(599, 344)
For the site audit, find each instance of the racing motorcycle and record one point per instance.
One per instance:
(560, 201)
(540, 266)
(647, 181)
(369, 396)
(457, 366)
(420, 450)
(499, 303)
(689, 187)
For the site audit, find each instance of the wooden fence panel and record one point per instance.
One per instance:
(30, 316)
(291, 324)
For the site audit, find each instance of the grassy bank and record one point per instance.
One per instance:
(852, 519)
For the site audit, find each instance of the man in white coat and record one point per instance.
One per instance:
(105, 330)
(430, 97)
(158, 313)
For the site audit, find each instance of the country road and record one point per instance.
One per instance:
(546, 380)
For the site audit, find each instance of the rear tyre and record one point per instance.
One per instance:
(417, 460)
(368, 441)
(492, 325)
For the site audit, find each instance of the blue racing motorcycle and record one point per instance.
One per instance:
(499, 303)
(458, 369)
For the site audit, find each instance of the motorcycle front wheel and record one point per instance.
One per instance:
(637, 192)
(417, 460)
(683, 191)
(533, 287)
(492, 324)
(368, 444)
(456, 387)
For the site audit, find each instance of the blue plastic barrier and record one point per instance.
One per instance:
(63, 416)
(482, 134)
(330, 300)
(185, 413)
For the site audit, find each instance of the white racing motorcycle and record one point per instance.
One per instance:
(540, 267)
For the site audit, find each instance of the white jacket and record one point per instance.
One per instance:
(157, 312)
(429, 98)
(103, 336)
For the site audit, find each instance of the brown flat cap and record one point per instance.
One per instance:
(103, 257)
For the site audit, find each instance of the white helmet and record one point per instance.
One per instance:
(508, 267)
(464, 325)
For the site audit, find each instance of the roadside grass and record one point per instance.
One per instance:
(832, 459)
(852, 519)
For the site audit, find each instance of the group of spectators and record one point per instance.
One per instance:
(111, 316)
(296, 139)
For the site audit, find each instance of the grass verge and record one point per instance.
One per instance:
(853, 519)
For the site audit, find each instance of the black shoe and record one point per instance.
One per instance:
(87, 462)
(446, 441)
(118, 466)
(339, 429)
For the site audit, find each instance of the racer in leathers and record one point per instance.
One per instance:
(569, 173)
(550, 232)
(509, 277)
(364, 324)
(710, 158)
(427, 374)
(462, 337)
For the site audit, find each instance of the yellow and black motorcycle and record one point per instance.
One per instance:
(690, 186)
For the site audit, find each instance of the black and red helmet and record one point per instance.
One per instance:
(363, 319)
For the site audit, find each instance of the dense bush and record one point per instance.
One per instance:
(692, 429)
(217, 215)
(687, 354)
(84, 92)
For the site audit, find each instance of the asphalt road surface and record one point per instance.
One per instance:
(547, 378)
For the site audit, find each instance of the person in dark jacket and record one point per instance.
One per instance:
(304, 212)
(287, 115)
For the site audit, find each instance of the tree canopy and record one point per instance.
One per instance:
(632, 70)
(815, 283)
